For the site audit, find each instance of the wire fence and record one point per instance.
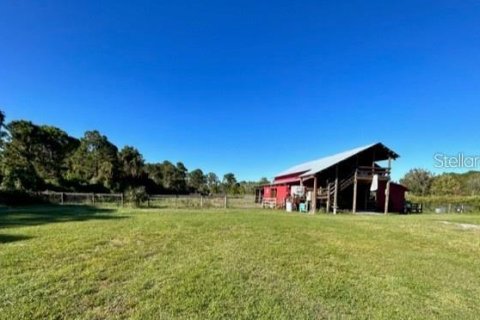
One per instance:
(201, 202)
(151, 201)
(447, 204)
(77, 198)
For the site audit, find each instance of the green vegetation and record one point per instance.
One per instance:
(87, 263)
(423, 183)
(40, 157)
(450, 190)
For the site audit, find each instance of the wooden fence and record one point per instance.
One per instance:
(152, 201)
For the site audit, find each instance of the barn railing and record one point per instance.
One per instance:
(367, 172)
(269, 203)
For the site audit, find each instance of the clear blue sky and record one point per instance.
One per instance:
(251, 87)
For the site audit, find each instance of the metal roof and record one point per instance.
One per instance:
(316, 166)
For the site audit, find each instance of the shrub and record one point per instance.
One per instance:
(136, 195)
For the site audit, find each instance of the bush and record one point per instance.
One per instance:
(136, 195)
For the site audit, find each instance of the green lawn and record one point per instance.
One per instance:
(160, 264)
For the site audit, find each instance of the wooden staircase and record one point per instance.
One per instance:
(365, 174)
(328, 193)
(347, 182)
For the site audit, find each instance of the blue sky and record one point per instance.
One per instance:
(251, 87)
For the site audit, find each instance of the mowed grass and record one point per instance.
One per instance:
(86, 263)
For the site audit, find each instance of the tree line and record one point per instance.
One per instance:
(42, 157)
(421, 182)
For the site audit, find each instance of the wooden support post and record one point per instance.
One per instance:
(62, 198)
(366, 198)
(387, 196)
(387, 190)
(122, 199)
(148, 201)
(201, 201)
(355, 191)
(328, 196)
(335, 196)
(314, 195)
(226, 202)
(93, 198)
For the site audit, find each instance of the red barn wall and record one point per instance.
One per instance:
(397, 197)
(282, 193)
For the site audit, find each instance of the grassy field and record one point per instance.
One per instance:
(159, 264)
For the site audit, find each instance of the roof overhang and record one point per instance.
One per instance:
(307, 169)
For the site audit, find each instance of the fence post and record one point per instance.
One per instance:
(148, 201)
(226, 202)
(201, 201)
(61, 198)
(93, 198)
(122, 199)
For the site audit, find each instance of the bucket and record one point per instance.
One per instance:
(289, 206)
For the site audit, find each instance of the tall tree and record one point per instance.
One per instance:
(18, 168)
(131, 162)
(54, 147)
(181, 173)
(34, 156)
(197, 181)
(2, 118)
(155, 173)
(229, 183)
(213, 183)
(418, 181)
(95, 161)
(263, 181)
(172, 178)
(3, 133)
(473, 185)
(168, 171)
(445, 185)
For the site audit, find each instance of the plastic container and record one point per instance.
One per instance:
(289, 206)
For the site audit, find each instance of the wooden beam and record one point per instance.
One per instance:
(387, 190)
(373, 162)
(387, 197)
(328, 196)
(335, 196)
(314, 195)
(355, 190)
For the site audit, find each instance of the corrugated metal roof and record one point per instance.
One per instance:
(313, 167)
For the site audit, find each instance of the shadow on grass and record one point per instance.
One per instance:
(40, 215)
(5, 238)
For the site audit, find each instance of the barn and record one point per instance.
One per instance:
(354, 180)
